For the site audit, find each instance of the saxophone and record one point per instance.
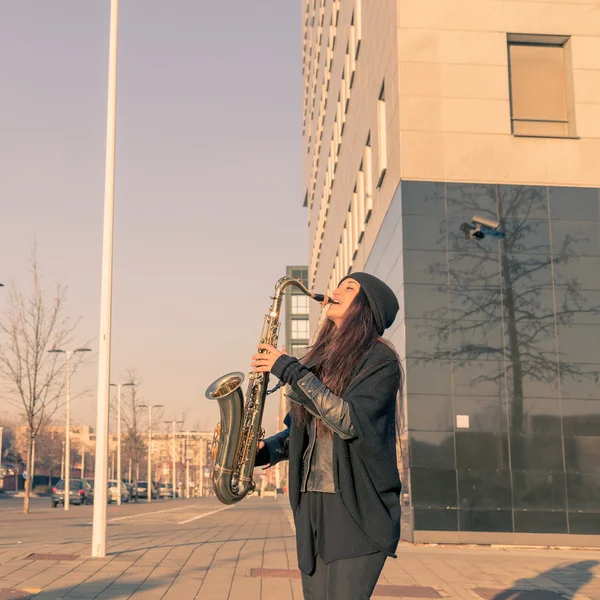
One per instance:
(236, 437)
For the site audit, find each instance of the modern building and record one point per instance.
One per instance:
(296, 314)
(428, 128)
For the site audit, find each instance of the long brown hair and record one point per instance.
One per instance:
(338, 350)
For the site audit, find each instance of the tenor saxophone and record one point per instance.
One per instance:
(236, 437)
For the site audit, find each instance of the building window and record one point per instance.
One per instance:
(382, 125)
(299, 350)
(540, 85)
(368, 180)
(299, 304)
(300, 329)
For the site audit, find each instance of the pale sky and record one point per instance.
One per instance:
(208, 205)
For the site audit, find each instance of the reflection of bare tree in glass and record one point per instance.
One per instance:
(508, 281)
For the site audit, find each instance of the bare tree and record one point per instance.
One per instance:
(33, 324)
(132, 415)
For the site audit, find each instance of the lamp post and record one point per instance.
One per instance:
(100, 468)
(68, 354)
(173, 455)
(119, 386)
(150, 407)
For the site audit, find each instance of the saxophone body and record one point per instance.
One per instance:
(236, 437)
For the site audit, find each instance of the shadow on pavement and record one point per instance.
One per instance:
(90, 590)
(572, 577)
(201, 543)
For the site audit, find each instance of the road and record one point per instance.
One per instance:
(187, 549)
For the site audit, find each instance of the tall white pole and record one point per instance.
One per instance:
(129, 473)
(173, 461)
(99, 520)
(67, 500)
(32, 465)
(120, 492)
(150, 453)
(187, 470)
(201, 467)
(82, 462)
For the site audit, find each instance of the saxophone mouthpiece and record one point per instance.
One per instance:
(323, 299)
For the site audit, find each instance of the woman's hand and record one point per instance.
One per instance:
(263, 362)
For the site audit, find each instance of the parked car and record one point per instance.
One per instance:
(113, 493)
(165, 490)
(142, 490)
(80, 492)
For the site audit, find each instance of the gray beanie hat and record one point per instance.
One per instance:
(382, 299)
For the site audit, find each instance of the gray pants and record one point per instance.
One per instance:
(345, 579)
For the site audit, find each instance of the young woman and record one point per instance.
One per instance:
(341, 442)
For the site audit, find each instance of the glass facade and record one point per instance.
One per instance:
(501, 344)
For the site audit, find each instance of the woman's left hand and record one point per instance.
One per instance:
(263, 361)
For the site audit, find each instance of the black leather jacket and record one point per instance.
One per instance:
(323, 404)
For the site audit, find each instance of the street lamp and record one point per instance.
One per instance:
(173, 454)
(68, 354)
(100, 468)
(150, 407)
(119, 386)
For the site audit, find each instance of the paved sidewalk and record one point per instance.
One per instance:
(198, 549)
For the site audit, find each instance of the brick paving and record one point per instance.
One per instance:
(194, 549)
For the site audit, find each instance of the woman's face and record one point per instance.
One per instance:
(343, 295)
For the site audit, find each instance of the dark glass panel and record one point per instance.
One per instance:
(541, 452)
(435, 519)
(425, 266)
(582, 454)
(485, 414)
(423, 198)
(576, 238)
(485, 520)
(583, 491)
(581, 417)
(523, 202)
(584, 523)
(533, 521)
(536, 415)
(424, 232)
(539, 490)
(580, 380)
(426, 301)
(574, 204)
(427, 338)
(477, 304)
(464, 200)
(577, 307)
(533, 379)
(433, 487)
(484, 489)
(579, 343)
(429, 413)
(524, 272)
(485, 451)
(583, 271)
(476, 339)
(479, 378)
(526, 236)
(431, 449)
(470, 270)
(428, 376)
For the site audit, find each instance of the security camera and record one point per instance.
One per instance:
(480, 227)
(487, 223)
